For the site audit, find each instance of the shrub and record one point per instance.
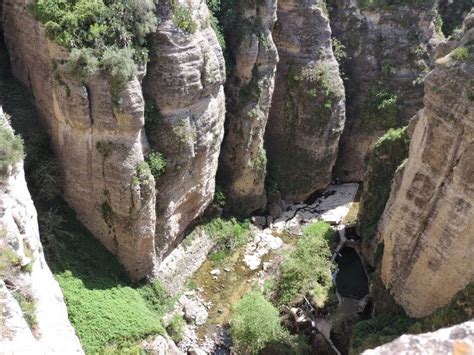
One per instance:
(82, 63)
(229, 234)
(11, 147)
(461, 54)
(382, 110)
(28, 307)
(307, 270)
(175, 328)
(182, 18)
(254, 324)
(156, 163)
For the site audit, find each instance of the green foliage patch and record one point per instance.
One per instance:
(307, 270)
(157, 164)
(382, 111)
(101, 34)
(11, 147)
(175, 328)
(461, 54)
(254, 324)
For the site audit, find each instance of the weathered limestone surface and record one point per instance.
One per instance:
(387, 48)
(249, 90)
(458, 339)
(98, 144)
(428, 222)
(20, 252)
(185, 80)
(308, 110)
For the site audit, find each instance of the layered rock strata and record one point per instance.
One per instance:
(27, 276)
(386, 53)
(428, 221)
(308, 110)
(185, 82)
(249, 90)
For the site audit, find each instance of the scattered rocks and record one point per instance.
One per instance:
(194, 309)
(215, 272)
(159, 345)
(259, 221)
(263, 243)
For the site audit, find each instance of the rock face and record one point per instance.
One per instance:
(242, 163)
(27, 276)
(98, 143)
(308, 110)
(428, 222)
(454, 340)
(185, 81)
(387, 49)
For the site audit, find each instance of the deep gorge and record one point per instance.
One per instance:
(193, 163)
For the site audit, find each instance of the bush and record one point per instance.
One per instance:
(175, 328)
(11, 147)
(307, 270)
(156, 163)
(461, 54)
(106, 34)
(182, 18)
(229, 233)
(254, 324)
(382, 111)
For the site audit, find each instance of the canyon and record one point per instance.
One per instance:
(249, 128)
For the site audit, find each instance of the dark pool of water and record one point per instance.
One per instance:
(351, 280)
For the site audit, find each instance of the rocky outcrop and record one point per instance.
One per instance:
(427, 224)
(33, 316)
(454, 340)
(185, 82)
(387, 53)
(308, 110)
(249, 90)
(99, 143)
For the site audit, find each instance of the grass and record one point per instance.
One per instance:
(103, 305)
(28, 307)
(175, 328)
(229, 234)
(461, 54)
(307, 270)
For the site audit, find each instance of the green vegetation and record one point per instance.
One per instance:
(175, 328)
(307, 270)
(157, 164)
(28, 307)
(461, 54)
(255, 324)
(453, 13)
(389, 152)
(229, 234)
(339, 50)
(11, 148)
(385, 327)
(219, 196)
(182, 18)
(382, 111)
(8, 258)
(101, 34)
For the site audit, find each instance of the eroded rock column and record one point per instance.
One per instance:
(185, 81)
(308, 110)
(428, 222)
(98, 139)
(242, 163)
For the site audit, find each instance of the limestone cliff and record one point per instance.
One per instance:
(453, 340)
(387, 52)
(185, 82)
(99, 144)
(249, 90)
(308, 110)
(41, 322)
(428, 221)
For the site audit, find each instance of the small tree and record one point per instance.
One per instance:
(255, 323)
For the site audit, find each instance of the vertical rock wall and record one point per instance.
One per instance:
(98, 143)
(428, 223)
(308, 110)
(185, 81)
(26, 273)
(249, 90)
(387, 49)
